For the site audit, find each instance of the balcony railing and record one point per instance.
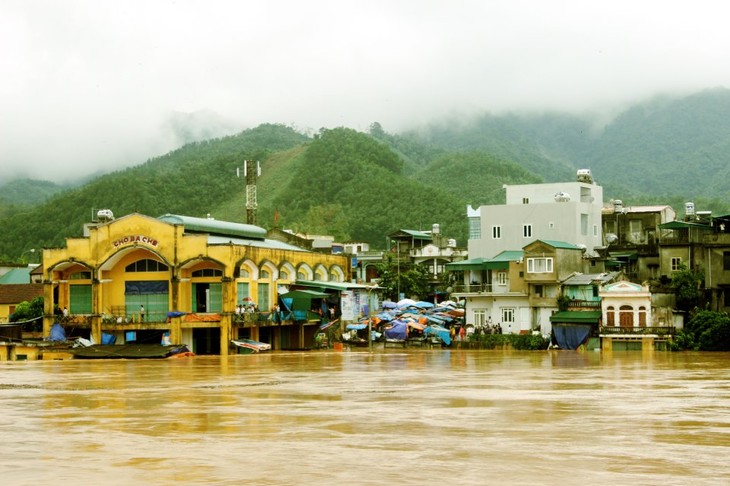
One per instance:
(589, 304)
(661, 331)
(477, 288)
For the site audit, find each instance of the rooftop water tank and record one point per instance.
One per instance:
(104, 215)
(584, 175)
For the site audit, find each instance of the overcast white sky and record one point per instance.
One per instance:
(91, 85)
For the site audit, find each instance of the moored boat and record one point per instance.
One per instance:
(131, 351)
(249, 346)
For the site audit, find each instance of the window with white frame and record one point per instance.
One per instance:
(540, 265)
(496, 232)
(501, 278)
(676, 263)
(508, 315)
(595, 230)
(475, 228)
(527, 231)
(480, 318)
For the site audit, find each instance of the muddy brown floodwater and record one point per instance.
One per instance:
(357, 418)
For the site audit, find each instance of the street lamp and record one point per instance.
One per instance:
(32, 250)
(370, 320)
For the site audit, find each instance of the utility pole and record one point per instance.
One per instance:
(251, 172)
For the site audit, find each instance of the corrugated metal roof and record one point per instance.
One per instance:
(684, 224)
(16, 276)
(590, 278)
(268, 244)
(330, 285)
(509, 256)
(414, 233)
(215, 227)
(499, 262)
(470, 264)
(561, 244)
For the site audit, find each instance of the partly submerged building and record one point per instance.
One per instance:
(196, 281)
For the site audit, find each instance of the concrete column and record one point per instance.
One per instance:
(225, 333)
(607, 344)
(175, 330)
(96, 329)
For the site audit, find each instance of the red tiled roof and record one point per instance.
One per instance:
(17, 293)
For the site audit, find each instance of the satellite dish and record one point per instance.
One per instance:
(611, 238)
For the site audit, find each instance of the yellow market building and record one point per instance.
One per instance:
(195, 281)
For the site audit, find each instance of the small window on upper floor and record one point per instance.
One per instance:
(208, 272)
(676, 263)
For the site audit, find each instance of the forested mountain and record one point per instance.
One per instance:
(665, 149)
(192, 180)
(27, 192)
(359, 186)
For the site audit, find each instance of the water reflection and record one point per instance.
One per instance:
(411, 417)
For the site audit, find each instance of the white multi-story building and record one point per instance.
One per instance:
(561, 211)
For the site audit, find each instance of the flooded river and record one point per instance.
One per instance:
(357, 418)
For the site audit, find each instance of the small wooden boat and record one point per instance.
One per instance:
(131, 351)
(249, 346)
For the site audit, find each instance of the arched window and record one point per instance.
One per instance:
(642, 316)
(626, 316)
(610, 316)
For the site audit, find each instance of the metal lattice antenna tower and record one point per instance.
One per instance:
(251, 171)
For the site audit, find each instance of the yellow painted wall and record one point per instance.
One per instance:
(110, 247)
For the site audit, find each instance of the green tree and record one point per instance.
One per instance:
(687, 286)
(410, 280)
(26, 311)
(708, 331)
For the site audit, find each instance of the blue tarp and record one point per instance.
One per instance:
(107, 338)
(570, 336)
(440, 332)
(57, 332)
(356, 327)
(396, 330)
(436, 320)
